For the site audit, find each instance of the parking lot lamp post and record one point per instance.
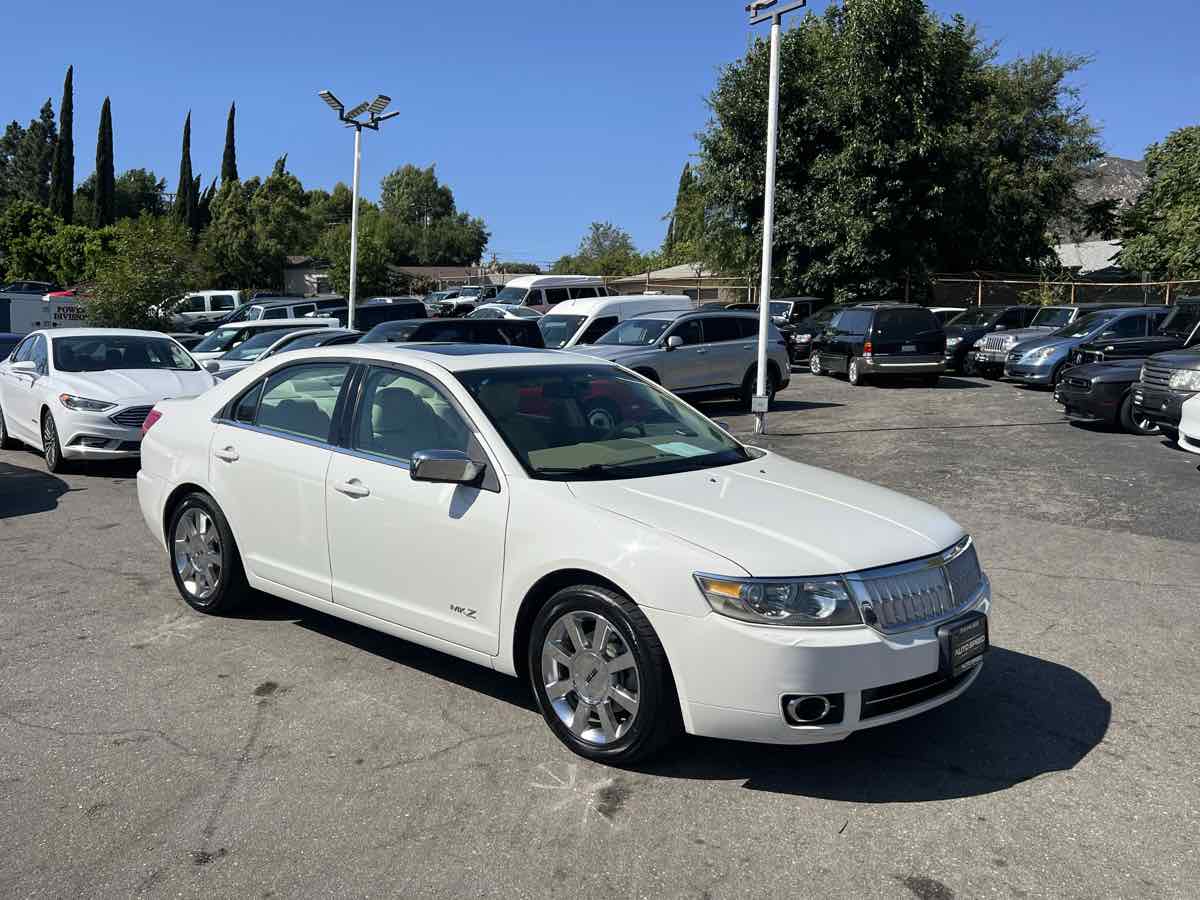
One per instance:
(760, 11)
(374, 110)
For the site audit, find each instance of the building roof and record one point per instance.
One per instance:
(684, 272)
(1089, 257)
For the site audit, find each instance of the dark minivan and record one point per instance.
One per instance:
(514, 332)
(881, 339)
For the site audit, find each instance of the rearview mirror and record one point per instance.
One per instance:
(445, 467)
(25, 366)
(674, 342)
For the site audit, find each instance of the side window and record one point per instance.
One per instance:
(278, 312)
(442, 331)
(222, 303)
(577, 292)
(37, 353)
(533, 298)
(1010, 318)
(298, 311)
(690, 331)
(556, 295)
(1129, 326)
(1157, 318)
(22, 352)
(247, 406)
(747, 326)
(300, 400)
(400, 414)
(192, 304)
(600, 326)
(721, 328)
(520, 334)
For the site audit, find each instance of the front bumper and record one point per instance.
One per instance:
(1161, 406)
(94, 436)
(1099, 403)
(1039, 374)
(732, 676)
(904, 365)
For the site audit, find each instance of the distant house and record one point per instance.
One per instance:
(1093, 260)
(692, 279)
(305, 276)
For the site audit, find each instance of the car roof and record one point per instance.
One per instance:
(671, 315)
(457, 357)
(585, 306)
(98, 332)
(531, 281)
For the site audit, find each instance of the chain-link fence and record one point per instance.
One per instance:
(984, 291)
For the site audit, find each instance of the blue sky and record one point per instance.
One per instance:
(541, 116)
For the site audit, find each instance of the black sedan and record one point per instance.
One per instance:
(1103, 392)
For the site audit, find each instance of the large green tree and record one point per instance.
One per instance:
(186, 200)
(26, 158)
(1162, 229)
(604, 250)
(228, 247)
(376, 238)
(429, 229)
(229, 158)
(26, 231)
(904, 149)
(414, 196)
(150, 259)
(139, 191)
(685, 231)
(281, 227)
(62, 173)
(104, 201)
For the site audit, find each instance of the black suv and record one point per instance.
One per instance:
(370, 313)
(1179, 330)
(880, 339)
(515, 332)
(969, 326)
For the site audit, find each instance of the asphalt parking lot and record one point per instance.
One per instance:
(151, 751)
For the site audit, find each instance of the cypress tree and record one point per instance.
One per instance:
(184, 194)
(62, 176)
(105, 205)
(229, 160)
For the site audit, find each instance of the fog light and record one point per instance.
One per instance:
(85, 440)
(812, 709)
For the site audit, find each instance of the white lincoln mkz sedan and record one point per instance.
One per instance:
(559, 518)
(83, 393)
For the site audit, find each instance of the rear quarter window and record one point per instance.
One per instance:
(901, 324)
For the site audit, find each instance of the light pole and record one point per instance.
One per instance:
(760, 11)
(350, 119)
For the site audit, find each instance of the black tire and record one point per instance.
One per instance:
(231, 588)
(1057, 374)
(657, 720)
(854, 375)
(1132, 421)
(6, 443)
(814, 364)
(967, 367)
(51, 447)
(750, 383)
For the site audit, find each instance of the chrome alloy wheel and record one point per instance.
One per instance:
(198, 553)
(591, 677)
(814, 364)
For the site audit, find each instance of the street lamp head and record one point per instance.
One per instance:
(334, 103)
(358, 110)
(379, 104)
(762, 10)
(384, 118)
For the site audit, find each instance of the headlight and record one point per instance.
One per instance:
(1040, 354)
(798, 601)
(953, 341)
(82, 404)
(1187, 380)
(803, 338)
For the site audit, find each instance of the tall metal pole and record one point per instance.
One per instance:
(760, 401)
(354, 231)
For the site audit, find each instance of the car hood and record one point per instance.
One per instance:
(1178, 359)
(614, 352)
(1038, 342)
(1025, 334)
(1117, 370)
(124, 385)
(773, 517)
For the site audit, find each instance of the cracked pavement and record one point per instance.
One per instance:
(151, 751)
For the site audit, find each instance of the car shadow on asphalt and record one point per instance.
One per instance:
(1023, 717)
(27, 491)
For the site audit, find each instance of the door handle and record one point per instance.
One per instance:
(228, 454)
(352, 488)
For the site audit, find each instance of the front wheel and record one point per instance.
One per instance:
(600, 676)
(814, 364)
(51, 448)
(1134, 420)
(205, 562)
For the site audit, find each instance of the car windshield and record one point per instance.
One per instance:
(484, 313)
(572, 423)
(470, 292)
(817, 321)
(1086, 325)
(389, 332)
(1182, 320)
(514, 296)
(1051, 317)
(254, 346)
(220, 339)
(636, 332)
(979, 316)
(119, 351)
(779, 308)
(557, 330)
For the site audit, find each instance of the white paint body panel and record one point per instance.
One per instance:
(397, 562)
(1189, 425)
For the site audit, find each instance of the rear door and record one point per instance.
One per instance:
(724, 351)
(907, 333)
(268, 461)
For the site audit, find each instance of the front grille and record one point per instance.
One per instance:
(996, 342)
(132, 417)
(910, 595)
(894, 697)
(1157, 375)
(1079, 383)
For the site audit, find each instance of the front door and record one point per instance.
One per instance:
(25, 391)
(14, 387)
(267, 467)
(426, 556)
(684, 368)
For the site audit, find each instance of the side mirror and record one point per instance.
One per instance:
(25, 367)
(211, 365)
(674, 342)
(1001, 327)
(445, 467)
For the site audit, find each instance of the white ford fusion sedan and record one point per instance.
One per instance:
(83, 393)
(561, 519)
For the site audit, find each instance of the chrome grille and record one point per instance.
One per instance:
(911, 595)
(996, 342)
(133, 417)
(1157, 375)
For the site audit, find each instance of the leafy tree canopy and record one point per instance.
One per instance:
(604, 250)
(150, 260)
(1162, 229)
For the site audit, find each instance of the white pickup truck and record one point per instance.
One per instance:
(22, 311)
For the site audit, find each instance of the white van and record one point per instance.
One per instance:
(544, 291)
(575, 322)
(200, 308)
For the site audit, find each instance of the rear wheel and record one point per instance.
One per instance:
(600, 676)
(51, 448)
(750, 385)
(1134, 420)
(205, 562)
(855, 374)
